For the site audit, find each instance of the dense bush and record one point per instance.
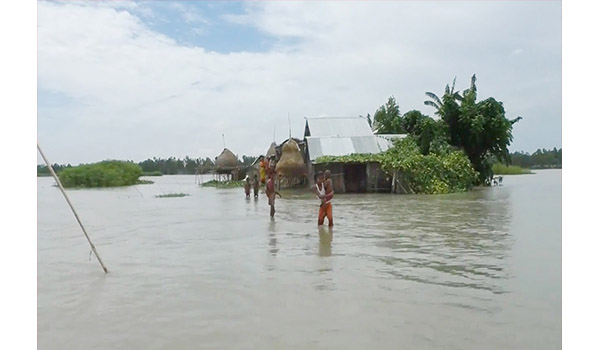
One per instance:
(108, 173)
(446, 172)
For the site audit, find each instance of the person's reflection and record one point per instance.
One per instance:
(272, 238)
(325, 238)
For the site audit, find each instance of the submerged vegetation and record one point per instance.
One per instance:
(223, 184)
(109, 173)
(172, 195)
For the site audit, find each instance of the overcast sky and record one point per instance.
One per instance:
(134, 80)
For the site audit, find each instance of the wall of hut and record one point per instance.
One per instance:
(360, 178)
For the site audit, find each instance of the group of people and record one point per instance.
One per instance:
(248, 185)
(323, 189)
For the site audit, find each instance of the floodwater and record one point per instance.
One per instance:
(478, 270)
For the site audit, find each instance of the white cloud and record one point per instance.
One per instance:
(140, 94)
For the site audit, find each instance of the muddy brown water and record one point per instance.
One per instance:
(478, 270)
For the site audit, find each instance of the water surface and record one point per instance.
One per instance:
(477, 270)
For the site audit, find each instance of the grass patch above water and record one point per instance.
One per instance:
(223, 184)
(109, 173)
(172, 195)
(501, 169)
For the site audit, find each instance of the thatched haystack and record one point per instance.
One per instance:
(272, 152)
(291, 162)
(226, 162)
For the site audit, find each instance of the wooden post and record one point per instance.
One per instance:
(72, 208)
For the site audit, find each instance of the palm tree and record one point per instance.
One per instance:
(449, 93)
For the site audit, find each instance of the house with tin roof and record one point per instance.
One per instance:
(341, 136)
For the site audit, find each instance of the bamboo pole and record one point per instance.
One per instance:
(71, 205)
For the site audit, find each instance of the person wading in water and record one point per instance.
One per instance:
(270, 191)
(247, 187)
(325, 208)
(255, 185)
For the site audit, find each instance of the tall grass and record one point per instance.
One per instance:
(501, 169)
(109, 173)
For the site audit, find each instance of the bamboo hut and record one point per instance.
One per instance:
(227, 164)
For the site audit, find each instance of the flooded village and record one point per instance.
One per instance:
(298, 175)
(295, 161)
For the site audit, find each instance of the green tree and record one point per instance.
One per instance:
(425, 129)
(480, 128)
(387, 119)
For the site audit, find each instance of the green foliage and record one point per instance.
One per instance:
(352, 158)
(109, 173)
(501, 169)
(223, 184)
(170, 166)
(425, 129)
(387, 120)
(446, 172)
(176, 166)
(42, 170)
(481, 129)
(172, 195)
(434, 173)
(540, 159)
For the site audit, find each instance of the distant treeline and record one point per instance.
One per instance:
(169, 166)
(540, 159)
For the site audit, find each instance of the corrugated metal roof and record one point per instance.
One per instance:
(385, 141)
(344, 136)
(340, 127)
(343, 146)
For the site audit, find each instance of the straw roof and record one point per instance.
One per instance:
(291, 162)
(226, 160)
(271, 151)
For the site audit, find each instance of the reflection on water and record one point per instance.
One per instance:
(213, 270)
(272, 238)
(325, 238)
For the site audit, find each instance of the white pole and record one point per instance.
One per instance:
(71, 205)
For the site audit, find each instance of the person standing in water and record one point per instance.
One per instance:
(325, 208)
(247, 186)
(255, 185)
(328, 186)
(270, 191)
(262, 169)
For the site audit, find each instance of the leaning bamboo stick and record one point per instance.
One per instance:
(71, 205)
